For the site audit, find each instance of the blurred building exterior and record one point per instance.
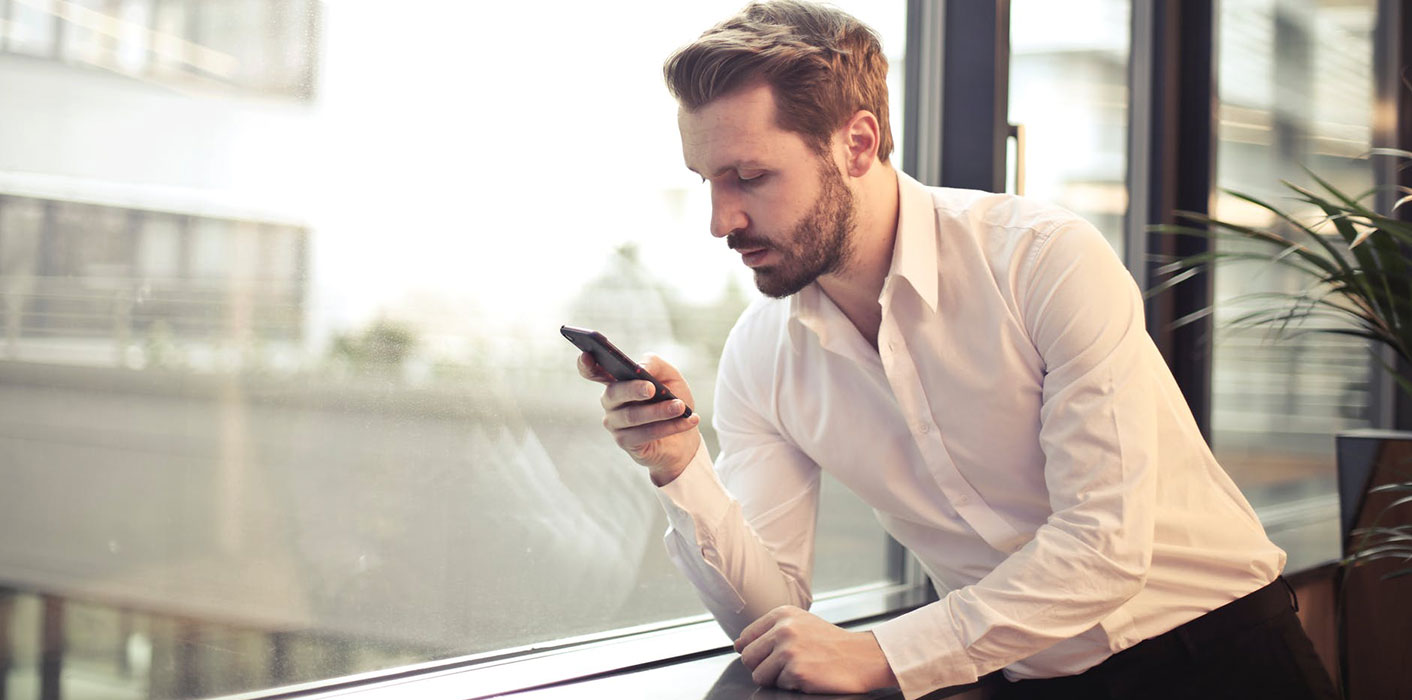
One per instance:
(148, 197)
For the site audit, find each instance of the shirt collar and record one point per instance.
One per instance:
(914, 250)
(913, 259)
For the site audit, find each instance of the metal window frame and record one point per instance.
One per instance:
(922, 97)
(1171, 167)
(1390, 407)
(958, 92)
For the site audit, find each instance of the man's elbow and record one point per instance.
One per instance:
(1126, 567)
(1118, 563)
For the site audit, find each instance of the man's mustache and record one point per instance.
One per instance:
(736, 241)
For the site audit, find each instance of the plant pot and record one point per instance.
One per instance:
(1376, 625)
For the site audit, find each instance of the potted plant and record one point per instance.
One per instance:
(1356, 265)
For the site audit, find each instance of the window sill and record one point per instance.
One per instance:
(666, 656)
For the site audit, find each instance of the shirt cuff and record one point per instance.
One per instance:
(925, 651)
(696, 497)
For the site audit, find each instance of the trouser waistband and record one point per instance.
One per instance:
(1195, 636)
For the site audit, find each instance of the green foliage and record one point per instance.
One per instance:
(1356, 264)
(1358, 276)
(1380, 541)
(384, 345)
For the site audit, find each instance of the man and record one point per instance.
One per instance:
(976, 368)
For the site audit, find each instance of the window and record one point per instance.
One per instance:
(1295, 83)
(1068, 92)
(285, 397)
(254, 46)
(30, 27)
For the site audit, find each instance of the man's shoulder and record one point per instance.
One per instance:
(761, 327)
(990, 212)
(757, 338)
(1008, 232)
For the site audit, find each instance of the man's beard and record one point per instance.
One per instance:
(820, 244)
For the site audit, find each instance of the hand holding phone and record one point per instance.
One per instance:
(616, 362)
(653, 424)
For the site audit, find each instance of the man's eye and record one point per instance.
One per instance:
(748, 181)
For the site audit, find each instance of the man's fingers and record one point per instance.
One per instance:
(618, 393)
(761, 625)
(652, 362)
(787, 679)
(590, 369)
(770, 669)
(634, 415)
(634, 438)
(757, 650)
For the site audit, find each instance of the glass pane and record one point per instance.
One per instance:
(159, 247)
(236, 31)
(1068, 90)
(285, 397)
(31, 27)
(1295, 90)
(133, 35)
(170, 27)
(84, 40)
(259, 46)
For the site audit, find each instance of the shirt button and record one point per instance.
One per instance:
(891, 345)
(962, 500)
(924, 428)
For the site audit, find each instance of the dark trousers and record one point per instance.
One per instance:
(1250, 648)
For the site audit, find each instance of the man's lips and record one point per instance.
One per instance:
(752, 257)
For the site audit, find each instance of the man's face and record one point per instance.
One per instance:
(780, 204)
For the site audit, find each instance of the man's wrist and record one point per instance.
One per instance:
(662, 477)
(886, 678)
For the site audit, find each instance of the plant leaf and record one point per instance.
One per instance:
(1381, 151)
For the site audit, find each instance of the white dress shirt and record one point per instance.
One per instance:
(1016, 429)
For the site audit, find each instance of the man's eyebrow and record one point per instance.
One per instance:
(738, 165)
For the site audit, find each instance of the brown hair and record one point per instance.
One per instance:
(823, 64)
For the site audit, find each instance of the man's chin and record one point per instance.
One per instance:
(772, 284)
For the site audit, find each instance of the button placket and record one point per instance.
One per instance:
(906, 385)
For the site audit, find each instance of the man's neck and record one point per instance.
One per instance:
(855, 290)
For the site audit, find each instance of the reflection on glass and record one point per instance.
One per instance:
(1295, 80)
(1068, 89)
(30, 29)
(259, 46)
(284, 393)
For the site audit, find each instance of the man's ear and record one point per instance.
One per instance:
(860, 141)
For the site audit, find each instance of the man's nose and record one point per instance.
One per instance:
(727, 215)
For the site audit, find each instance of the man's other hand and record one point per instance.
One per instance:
(796, 650)
(653, 434)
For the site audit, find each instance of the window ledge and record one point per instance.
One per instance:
(621, 653)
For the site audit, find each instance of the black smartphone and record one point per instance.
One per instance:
(618, 364)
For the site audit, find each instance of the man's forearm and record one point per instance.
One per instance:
(736, 574)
